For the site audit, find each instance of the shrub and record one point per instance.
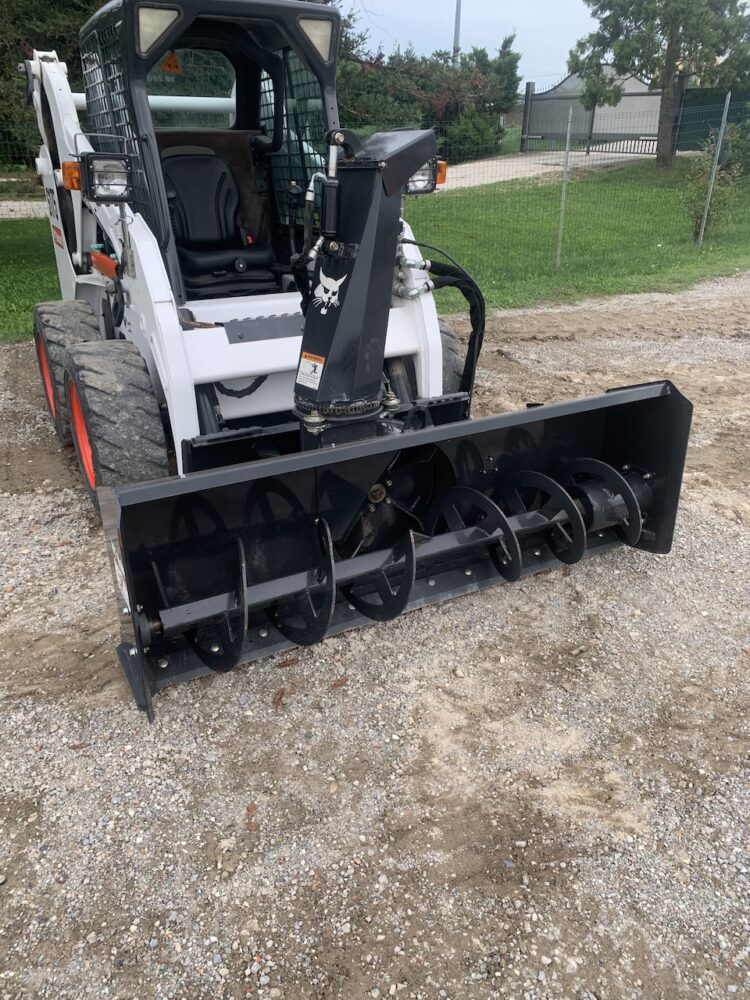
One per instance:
(738, 143)
(696, 188)
(472, 136)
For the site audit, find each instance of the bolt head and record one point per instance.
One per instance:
(467, 572)
(263, 633)
(215, 647)
(537, 552)
(162, 663)
(431, 582)
(339, 138)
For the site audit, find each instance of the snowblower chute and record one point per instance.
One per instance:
(230, 565)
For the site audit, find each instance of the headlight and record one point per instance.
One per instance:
(424, 180)
(106, 178)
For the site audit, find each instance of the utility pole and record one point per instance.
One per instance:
(457, 35)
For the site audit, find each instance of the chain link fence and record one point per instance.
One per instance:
(597, 216)
(581, 216)
(20, 193)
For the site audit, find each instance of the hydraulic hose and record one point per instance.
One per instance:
(299, 262)
(452, 275)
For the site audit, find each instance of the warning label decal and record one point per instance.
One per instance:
(310, 370)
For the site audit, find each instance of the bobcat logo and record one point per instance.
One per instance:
(327, 293)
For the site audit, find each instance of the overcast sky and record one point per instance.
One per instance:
(546, 30)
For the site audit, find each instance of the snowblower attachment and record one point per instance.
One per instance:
(229, 565)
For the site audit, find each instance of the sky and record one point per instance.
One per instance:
(546, 30)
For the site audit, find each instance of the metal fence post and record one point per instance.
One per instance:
(590, 136)
(566, 165)
(527, 102)
(714, 170)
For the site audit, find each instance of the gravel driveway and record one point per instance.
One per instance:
(536, 163)
(540, 791)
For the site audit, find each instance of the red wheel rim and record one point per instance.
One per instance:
(81, 435)
(41, 353)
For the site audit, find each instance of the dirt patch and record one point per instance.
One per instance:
(540, 791)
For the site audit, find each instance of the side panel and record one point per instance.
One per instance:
(421, 315)
(152, 323)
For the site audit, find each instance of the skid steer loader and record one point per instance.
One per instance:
(267, 411)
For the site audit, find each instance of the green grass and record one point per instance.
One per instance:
(626, 230)
(511, 142)
(27, 274)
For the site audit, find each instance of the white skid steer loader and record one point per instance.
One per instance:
(267, 411)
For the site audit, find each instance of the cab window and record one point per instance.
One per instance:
(202, 88)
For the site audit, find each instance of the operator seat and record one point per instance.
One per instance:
(216, 255)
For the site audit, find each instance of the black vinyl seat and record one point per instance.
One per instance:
(203, 204)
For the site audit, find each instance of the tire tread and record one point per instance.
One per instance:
(122, 415)
(62, 325)
(453, 366)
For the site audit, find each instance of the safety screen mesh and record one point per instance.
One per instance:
(303, 150)
(109, 116)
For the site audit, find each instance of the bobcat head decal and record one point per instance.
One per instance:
(327, 292)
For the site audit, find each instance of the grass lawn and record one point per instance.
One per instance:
(511, 142)
(27, 274)
(626, 230)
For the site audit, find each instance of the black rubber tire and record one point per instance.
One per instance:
(119, 412)
(453, 366)
(58, 326)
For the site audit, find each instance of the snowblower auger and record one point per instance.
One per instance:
(245, 300)
(230, 565)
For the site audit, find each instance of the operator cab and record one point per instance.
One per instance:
(226, 173)
(237, 109)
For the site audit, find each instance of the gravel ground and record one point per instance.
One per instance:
(23, 209)
(540, 791)
(537, 163)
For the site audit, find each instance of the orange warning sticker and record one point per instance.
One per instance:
(310, 370)
(171, 65)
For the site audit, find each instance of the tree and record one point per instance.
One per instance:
(660, 40)
(505, 78)
(24, 26)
